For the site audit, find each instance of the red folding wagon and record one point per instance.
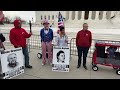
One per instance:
(106, 53)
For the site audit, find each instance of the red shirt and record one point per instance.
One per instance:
(84, 38)
(18, 36)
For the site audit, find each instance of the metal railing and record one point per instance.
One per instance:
(7, 41)
(73, 48)
(35, 43)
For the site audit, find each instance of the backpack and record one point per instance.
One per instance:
(2, 37)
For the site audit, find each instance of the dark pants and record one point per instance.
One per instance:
(84, 51)
(26, 55)
(0, 67)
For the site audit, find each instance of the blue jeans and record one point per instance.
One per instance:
(84, 51)
(26, 55)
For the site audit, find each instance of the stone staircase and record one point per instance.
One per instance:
(95, 24)
(113, 23)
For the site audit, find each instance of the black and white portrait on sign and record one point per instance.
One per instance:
(12, 62)
(61, 58)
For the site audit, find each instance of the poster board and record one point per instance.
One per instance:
(12, 63)
(61, 58)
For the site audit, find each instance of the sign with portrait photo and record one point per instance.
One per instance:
(12, 62)
(61, 58)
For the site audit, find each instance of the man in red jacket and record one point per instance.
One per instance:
(83, 43)
(18, 37)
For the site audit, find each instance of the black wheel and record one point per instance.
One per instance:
(95, 68)
(39, 55)
(118, 72)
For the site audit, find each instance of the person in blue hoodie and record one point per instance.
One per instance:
(46, 35)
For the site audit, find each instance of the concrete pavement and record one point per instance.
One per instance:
(45, 72)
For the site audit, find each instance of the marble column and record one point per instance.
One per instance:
(108, 14)
(112, 14)
(104, 15)
(70, 15)
(90, 15)
(97, 15)
(76, 15)
(67, 15)
(83, 15)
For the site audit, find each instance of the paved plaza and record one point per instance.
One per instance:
(45, 72)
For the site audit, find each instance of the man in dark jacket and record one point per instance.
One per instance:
(83, 43)
(18, 37)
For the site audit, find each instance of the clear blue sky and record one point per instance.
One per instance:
(26, 15)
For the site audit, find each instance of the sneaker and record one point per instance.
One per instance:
(28, 66)
(78, 66)
(85, 67)
(43, 64)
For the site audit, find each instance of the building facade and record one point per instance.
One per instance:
(75, 16)
(51, 16)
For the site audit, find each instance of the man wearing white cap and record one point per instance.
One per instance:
(46, 35)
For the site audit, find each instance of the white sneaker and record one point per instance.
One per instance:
(43, 64)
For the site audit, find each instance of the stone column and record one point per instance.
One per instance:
(117, 14)
(67, 15)
(76, 15)
(90, 15)
(97, 15)
(70, 15)
(82, 15)
(104, 15)
(112, 14)
(108, 14)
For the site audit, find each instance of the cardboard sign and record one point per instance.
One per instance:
(61, 58)
(12, 62)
